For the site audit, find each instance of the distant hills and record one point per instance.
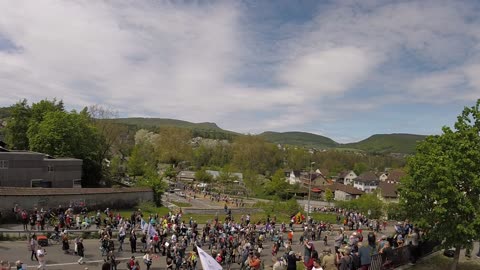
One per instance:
(378, 143)
(300, 139)
(388, 143)
(165, 122)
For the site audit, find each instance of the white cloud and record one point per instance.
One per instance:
(168, 59)
(328, 72)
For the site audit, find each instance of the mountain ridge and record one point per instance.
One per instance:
(377, 143)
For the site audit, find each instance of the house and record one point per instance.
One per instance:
(317, 178)
(383, 177)
(346, 177)
(341, 192)
(388, 192)
(367, 181)
(216, 174)
(186, 176)
(32, 169)
(292, 177)
(394, 176)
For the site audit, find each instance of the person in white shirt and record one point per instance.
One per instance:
(316, 265)
(42, 261)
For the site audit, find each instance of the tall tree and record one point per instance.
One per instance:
(17, 126)
(113, 136)
(278, 185)
(443, 183)
(63, 134)
(253, 153)
(39, 111)
(173, 145)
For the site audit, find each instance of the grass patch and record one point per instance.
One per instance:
(440, 262)
(325, 217)
(182, 204)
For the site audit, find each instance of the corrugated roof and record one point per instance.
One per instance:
(21, 191)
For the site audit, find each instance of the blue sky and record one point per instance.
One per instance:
(343, 69)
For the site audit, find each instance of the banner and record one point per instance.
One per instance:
(207, 261)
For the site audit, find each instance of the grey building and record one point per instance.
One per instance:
(31, 169)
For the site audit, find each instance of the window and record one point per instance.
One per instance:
(41, 183)
(77, 183)
(50, 168)
(3, 164)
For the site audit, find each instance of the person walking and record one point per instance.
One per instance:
(42, 260)
(32, 246)
(121, 237)
(133, 241)
(147, 259)
(80, 251)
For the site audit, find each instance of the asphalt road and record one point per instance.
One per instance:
(56, 259)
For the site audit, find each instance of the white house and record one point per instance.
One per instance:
(367, 181)
(347, 177)
(292, 177)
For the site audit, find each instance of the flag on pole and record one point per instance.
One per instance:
(207, 261)
(151, 230)
(142, 224)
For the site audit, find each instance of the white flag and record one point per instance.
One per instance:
(151, 230)
(208, 263)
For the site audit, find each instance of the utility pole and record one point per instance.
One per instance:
(309, 191)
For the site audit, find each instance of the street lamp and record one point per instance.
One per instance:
(309, 191)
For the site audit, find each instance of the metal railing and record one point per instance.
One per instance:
(401, 255)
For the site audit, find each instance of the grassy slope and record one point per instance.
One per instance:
(159, 122)
(388, 143)
(299, 138)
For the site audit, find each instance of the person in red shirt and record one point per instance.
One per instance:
(254, 261)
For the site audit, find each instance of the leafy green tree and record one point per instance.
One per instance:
(360, 167)
(63, 134)
(136, 163)
(116, 169)
(364, 204)
(17, 126)
(297, 158)
(253, 153)
(173, 145)
(152, 180)
(443, 183)
(203, 176)
(328, 195)
(170, 172)
(278, 185)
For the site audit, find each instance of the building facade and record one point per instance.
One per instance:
(31, 169)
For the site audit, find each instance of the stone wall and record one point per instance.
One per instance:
(114, 198)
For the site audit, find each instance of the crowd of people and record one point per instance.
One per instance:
(240, 243)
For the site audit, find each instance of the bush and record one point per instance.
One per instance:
(364, 204)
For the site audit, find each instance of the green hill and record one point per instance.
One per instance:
(379, 143)
(165, 122)
(300, 139)
(388, 143)
(206, 129)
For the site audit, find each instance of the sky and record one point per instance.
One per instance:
(342, 69)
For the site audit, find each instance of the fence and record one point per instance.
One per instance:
(401, 255)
